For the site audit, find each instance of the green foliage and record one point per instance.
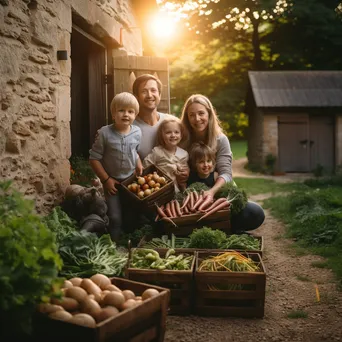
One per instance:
(239, 149)
(80, 171)
(270, 162)
(135, 237)
(207, 238)
(29, 261)
(318, 170)
(237, 196)
(314, 219)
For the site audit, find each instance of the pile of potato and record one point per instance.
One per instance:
(92, 300)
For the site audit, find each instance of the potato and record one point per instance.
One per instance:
(114, 298)
(130, 303)
(149, 293)
(67, 284)
(77, 293)
(90, 307)
(49, 308)
(112, 287)
(128, 294)
(100, 280)
(76, 281)
(61, 315)
(91, 288)
(69, 304)
(84, 320)
(105, 313)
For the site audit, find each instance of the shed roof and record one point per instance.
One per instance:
(296, 88)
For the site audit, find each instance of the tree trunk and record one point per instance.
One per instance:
(258, 63)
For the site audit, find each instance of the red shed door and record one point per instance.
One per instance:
(293, 140)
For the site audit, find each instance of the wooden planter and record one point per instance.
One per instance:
(246, 302)
(187, 223)
(160, 197)
(145, 322)
(180, 284)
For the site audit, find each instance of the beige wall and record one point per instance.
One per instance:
(35, 88)
(270, 141)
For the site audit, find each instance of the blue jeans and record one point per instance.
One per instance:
(251, 217)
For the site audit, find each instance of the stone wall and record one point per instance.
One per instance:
(255, 138)
(35, 87)
(270, 141)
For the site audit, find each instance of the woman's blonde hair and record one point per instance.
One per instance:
(124, 100)
(160, 138)
(199, 151)
(214, 127)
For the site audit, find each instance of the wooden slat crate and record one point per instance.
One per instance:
(160, 197)
(193, 250)
(246, 302)
(145, 322)
(180, 284)
(187, 223)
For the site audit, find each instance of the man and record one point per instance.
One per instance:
(147, 89)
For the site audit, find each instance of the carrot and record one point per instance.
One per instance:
(167, 210)
(214, 210)
(167, 219)
(205, 203)
(217, 202)
(195, 193)
(186, 210)
(198, 202)
(157, 218)
(185, 201)
(159, 211)
(191, 201)
(178, 208)
(172, 209)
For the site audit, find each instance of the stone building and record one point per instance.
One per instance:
(295, 118)
(57, 77)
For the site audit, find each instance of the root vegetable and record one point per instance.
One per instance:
(100, 280)
(168, 219)
(69, 304)
(197, 204)
(186, 201)
(149, 293)
(172, 209)
(205, 203)
(49, 308)
(77, 293)
(91, 288)
(112, 287)
(61, 315)
(90, 307)
(217, 202)
(76, 281)
(178, 209)
(105, 313)
(67, 284)
(84, 320)
(114, 299)
(214, 210)
(128, 294)
(129, 303)
(167, 210)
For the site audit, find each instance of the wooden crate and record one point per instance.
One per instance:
(247, 302)
(160, 197)
(193, 250)
(187, 223)
(180, 284)
(142, 323)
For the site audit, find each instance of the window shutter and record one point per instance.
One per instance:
(128, 68)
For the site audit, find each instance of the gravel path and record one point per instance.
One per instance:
(290, 287)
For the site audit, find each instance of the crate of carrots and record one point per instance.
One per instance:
(230, 284)
(193, 211)
(169, 269)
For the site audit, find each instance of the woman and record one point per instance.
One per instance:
(200, 119)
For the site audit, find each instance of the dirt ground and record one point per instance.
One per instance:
(290, 287)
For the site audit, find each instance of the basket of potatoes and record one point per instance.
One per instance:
(93, 309)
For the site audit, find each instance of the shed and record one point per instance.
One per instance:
(296, 117)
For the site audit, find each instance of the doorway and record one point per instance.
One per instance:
(88, 90)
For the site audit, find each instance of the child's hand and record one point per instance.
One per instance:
(139, 168)
(182, 175)
(110, 186)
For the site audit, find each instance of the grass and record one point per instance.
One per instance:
(239, 149)
(297, 314)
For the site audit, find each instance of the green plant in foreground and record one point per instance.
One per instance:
(29, 262)
(297, 314)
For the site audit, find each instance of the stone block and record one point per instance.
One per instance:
(12, 143)
(44, 30)
(64, 104)
(10, 57)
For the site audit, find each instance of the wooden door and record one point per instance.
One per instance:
(293, 141)
(322, 142)
(88, 90)
(128, 68)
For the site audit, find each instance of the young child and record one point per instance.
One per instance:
(202, 165)
(114, 156)
(167, 155)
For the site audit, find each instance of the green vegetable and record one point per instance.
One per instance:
(165, 242)
(136, 236)
(198, 186)
(243, 241)
(207, 238)
(232, 192)
(29, 262)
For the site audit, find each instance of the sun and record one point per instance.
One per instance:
(163, 26)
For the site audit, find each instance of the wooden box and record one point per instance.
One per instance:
(142, 323)
(193, 250)
(248, 301)
(180, 284)
(187, 223)
(160, 197)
